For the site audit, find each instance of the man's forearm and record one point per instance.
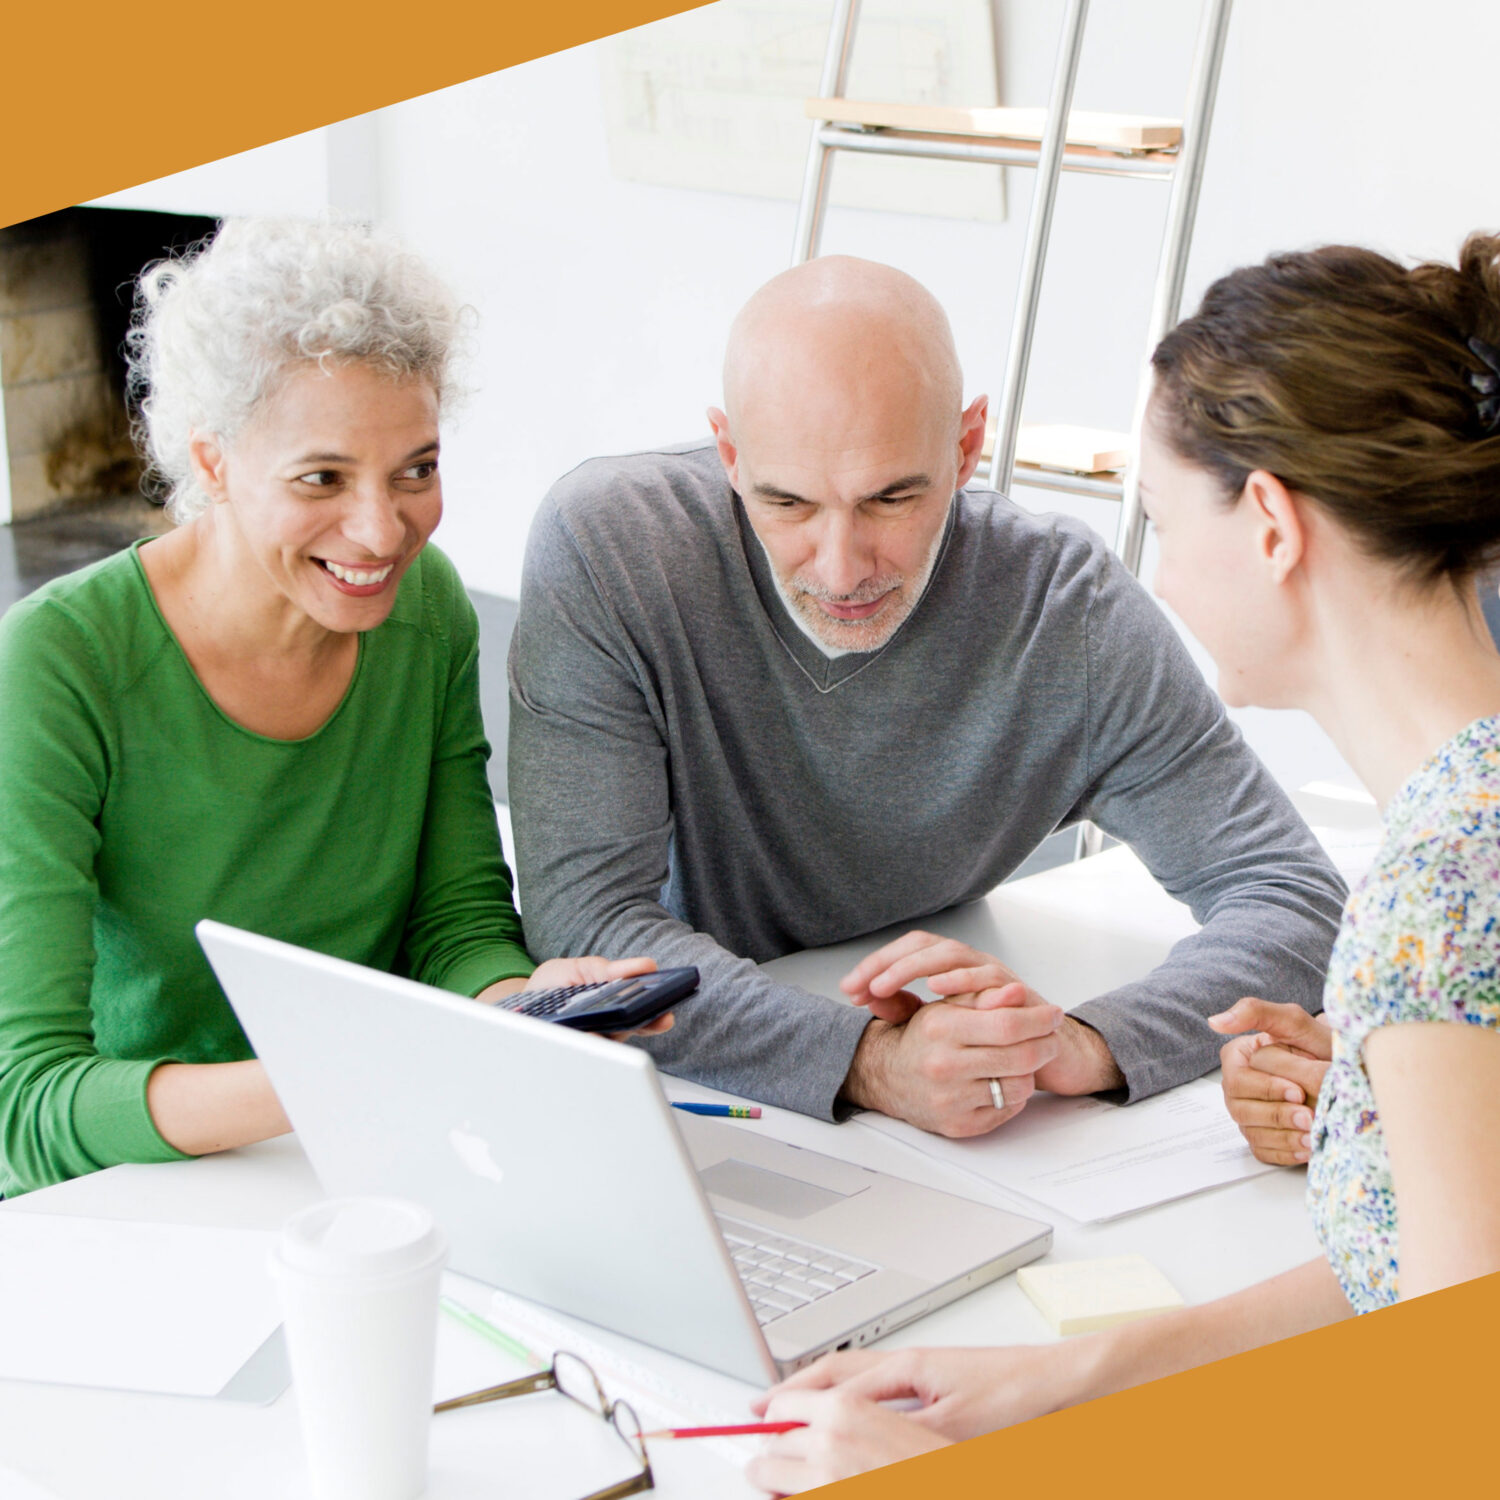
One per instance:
(1157, 1028)
(748, 1034)
(1084, 1063)
(867, 1084)
(742, 1031)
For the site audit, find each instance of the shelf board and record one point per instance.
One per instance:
(1092, 486)
(1066, 449)
(1072, 450)
(1100, 132)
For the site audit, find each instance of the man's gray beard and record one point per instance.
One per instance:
(845, 639)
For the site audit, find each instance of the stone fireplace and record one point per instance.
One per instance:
(65, 300)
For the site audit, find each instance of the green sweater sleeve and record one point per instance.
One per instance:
(64, 1109)
(463, 933)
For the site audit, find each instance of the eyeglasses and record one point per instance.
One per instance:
(577, 1381)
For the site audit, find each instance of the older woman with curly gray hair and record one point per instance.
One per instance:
(269, 716)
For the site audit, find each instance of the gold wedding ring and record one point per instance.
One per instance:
(997, 1093)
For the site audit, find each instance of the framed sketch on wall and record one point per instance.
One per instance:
(713, 99)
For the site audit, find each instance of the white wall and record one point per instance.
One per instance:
(332, 169)
(603, 303)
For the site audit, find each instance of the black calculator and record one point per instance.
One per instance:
(608, 1005)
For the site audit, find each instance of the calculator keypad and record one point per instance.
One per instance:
(547, 1003)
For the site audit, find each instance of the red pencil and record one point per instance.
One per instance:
(745, 1429)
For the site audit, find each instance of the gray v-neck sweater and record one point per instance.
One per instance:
(691, 778)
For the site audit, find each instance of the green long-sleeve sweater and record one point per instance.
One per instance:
(131, 806)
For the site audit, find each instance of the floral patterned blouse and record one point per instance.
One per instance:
(1420, 941)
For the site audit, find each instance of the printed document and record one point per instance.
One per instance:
(1092, 1160)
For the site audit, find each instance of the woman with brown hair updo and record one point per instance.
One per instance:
(1321, 461)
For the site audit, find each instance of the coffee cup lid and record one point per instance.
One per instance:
(361, 1237)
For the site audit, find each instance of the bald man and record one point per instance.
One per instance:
(798, 684)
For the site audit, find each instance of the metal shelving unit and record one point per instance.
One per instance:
(1063, 142)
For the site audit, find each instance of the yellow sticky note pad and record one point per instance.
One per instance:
(1083, 1296)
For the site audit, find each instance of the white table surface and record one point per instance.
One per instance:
(1071, 932)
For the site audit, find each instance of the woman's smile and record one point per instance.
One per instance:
(359, 582)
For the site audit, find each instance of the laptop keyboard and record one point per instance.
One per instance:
(781, 1275)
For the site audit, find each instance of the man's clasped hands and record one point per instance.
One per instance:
(932, 1064)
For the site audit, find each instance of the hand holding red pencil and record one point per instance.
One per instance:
(850, 1428)
(832, 1434)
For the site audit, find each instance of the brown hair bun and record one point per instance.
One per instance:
(1350, 378)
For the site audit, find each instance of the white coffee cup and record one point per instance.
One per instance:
(359, 1288)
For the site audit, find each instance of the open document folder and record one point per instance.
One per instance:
(1092, 1160)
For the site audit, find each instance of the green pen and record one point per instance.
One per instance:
(502, 1340)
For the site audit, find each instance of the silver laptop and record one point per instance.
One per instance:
(560, 1173)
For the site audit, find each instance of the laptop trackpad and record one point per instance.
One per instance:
(771, 1192)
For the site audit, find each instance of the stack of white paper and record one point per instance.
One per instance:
(1091, 1160)
(169, 1308)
